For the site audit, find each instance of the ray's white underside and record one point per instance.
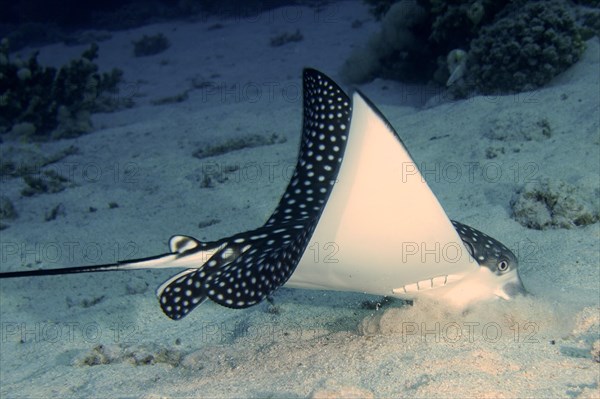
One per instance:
(382, 231)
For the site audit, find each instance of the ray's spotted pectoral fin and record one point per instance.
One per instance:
(180, 294)
(268, 261)
(252, 265)
(326, 121)
(265, 262)
(184, 291)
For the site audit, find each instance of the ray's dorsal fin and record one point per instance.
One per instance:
(181, 244)
(252, 265)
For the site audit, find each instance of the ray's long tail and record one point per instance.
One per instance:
(136, 264)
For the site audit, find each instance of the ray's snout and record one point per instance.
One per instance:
(514, 288)
(511, 286)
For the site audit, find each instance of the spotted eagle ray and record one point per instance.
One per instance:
(356, 192)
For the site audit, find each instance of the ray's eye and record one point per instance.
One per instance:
(502, 266)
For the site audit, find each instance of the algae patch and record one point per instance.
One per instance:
(239, 143)
(547, 204)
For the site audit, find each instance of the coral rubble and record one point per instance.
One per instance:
(481, 46)
(546, 204)
(38, 102)
(150, 45)
(525, 48)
